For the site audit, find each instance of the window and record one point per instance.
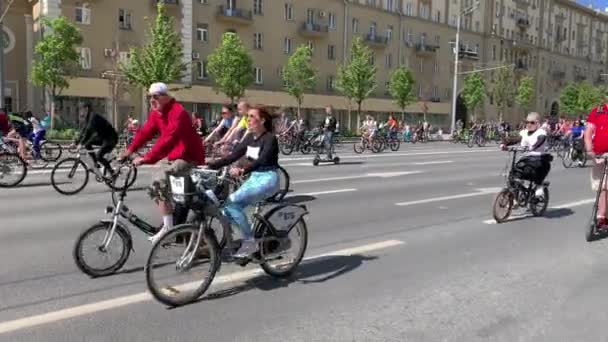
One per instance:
(477, 26)
(355, 25)
(85, 57)
(83, 14)
(390, 5)
(420, 93)
(438, 40)
(331, 50)
(202, 32)
(259, 76)
(421, 64)
(331, 83)
(123, 56)
(331, 20)
(257, 7)
(389, 32)
(311, 46)
(257, 41)
(204, 2)
(408, 8)
(424, 11)
(288, 12)
(388, 61)
(436, 67)
(438, 16)
(310, 16)
(453, 20)
(435, 92)
(287, 46)
(387, 86)
(202, 70)
(124, 19)
(372, 29)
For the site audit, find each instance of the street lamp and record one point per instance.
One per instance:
(466, 11)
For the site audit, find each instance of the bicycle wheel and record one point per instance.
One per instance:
(71, 167)
(503, 205)
(284, 185)
(567, 158)
(377, 146)
(90, 243)
(12, 170)
(395, 144)
(286, 148)
(358, 147)
(283, 255)
(306, 148)
(539, 206)
(50, 151)
(178, 273)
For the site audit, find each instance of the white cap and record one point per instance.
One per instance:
(158, 88)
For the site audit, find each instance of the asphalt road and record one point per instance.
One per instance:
(401, 248)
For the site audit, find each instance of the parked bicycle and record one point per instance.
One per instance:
(197, 255)
(83, 165)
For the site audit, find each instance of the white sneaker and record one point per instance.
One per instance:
(158, 235)
(540, 192)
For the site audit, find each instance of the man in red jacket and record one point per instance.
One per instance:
(178, 143)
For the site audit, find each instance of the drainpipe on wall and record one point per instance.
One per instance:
(344, 52)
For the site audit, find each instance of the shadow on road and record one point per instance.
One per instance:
(558, 213)
(38, 184)
(312, 272)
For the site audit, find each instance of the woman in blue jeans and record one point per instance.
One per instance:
(261, 150)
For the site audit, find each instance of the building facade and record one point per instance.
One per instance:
(555, 41)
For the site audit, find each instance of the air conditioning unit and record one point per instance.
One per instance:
(108, 52)
(196, 55)
(322, 14)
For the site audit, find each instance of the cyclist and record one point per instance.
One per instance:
(97, 131)
(178, 143)
(239, 128)
(596, 143)
(21, 130)
(224, 124)
(392, 126)
(329, 129)
(575, 137)
(38, 133)
(262, 151)
(534, 139)
(5, 125)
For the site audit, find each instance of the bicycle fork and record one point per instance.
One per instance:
(110, 234)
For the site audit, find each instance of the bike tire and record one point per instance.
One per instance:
(358, 148)
(481, 142)
(115, 185)
(503, 195)
(162, 294)
(20, 165)
(77, 253)
(536, 211)
(471, 143)
(76, 162)
(265, 249)
(395, 145)
(377, 146)
(306, 149)
(286, 149)
(50, 151)
(567, 159)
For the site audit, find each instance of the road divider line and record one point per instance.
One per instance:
(328, 192)
(479, 192)
(87, 309)
(558, 207)
(434, 162)
(397, 154)
(367, 175)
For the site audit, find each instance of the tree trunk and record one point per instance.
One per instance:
(358, 116)
(52, 99)
(299, 106)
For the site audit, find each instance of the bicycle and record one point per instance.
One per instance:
(49, 151)
(197, 244)
(591, 230)
(76, 165)
(521, 190)
(574, 153)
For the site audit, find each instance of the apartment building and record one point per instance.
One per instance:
(556, 41)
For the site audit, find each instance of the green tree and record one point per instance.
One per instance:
(579, 98)
(231, 67)
(56, 58)
(357, 78)
(474, 92)
(525, 92)
(299, 75)
(503, 89)
(160, 60)
(401, 87)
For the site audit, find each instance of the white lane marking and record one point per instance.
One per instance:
(368, 175)
(397, 154)
(298, 164)
(86, 309)
(434, 162)
(479, 192)
(561, 206)
(328, 192)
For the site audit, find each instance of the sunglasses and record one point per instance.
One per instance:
(531, 122)
(225, 112)
(158, 96)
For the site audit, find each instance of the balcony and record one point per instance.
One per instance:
(435, 99)
(464, 52)
(423, 48)
(558, 75)
(560, 17)
(522, 45)
(376, 40)
(234, 15)
(522, 3)
(523, 23)
(520, 66)
(166, 2)
(314, 30)
(579, 76)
